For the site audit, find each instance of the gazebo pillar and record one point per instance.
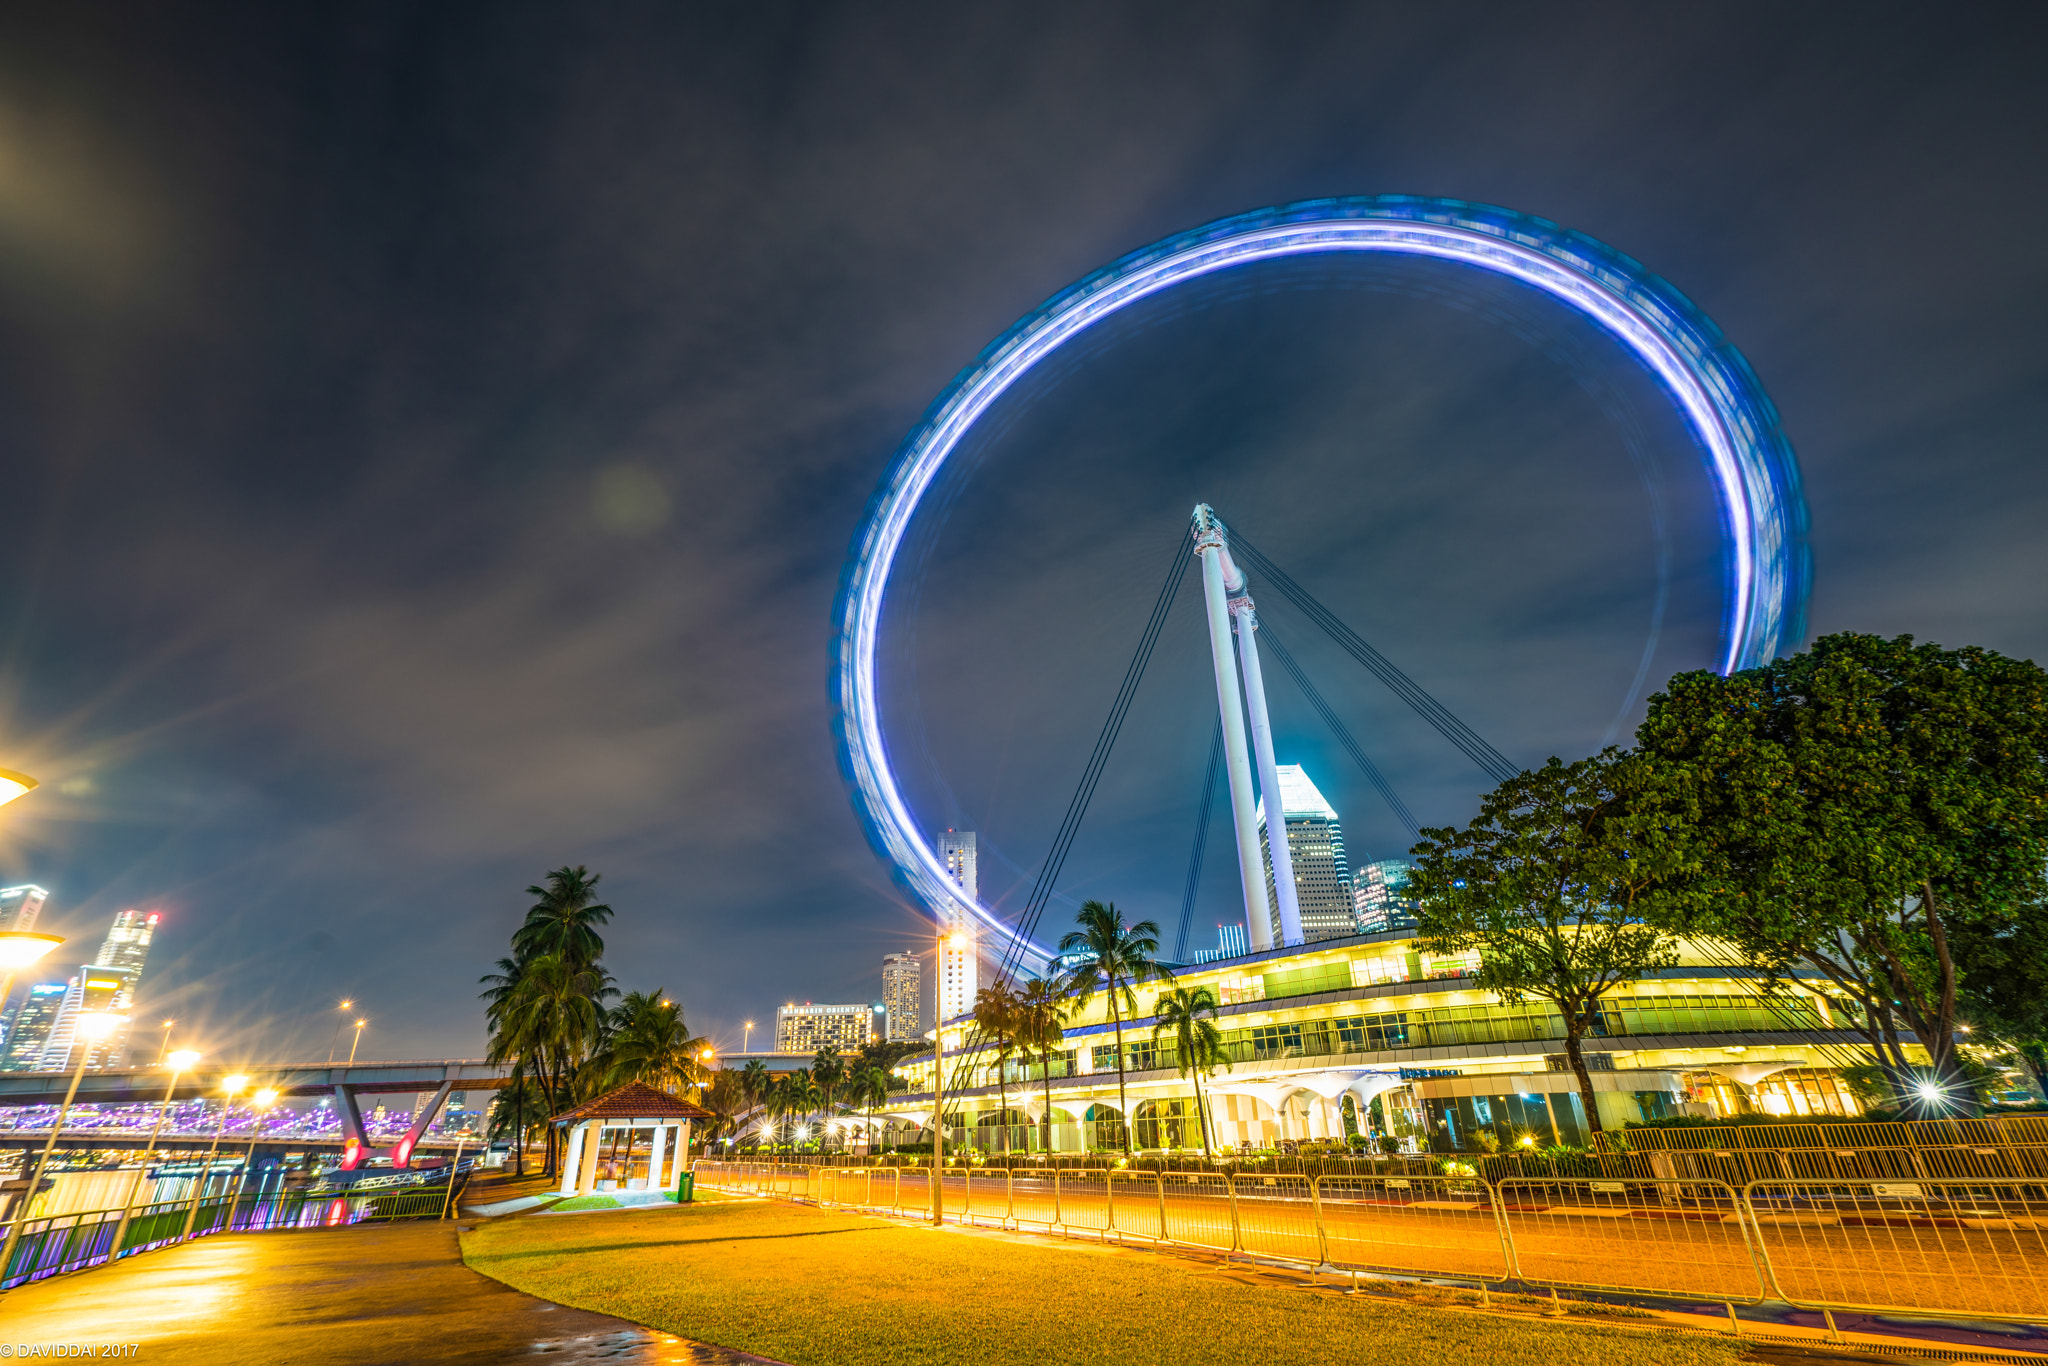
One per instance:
(654, 1157)
(572, 1162)
(586, 1172)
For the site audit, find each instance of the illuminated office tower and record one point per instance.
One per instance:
(903, 995)
(1315, 845)
(30, 1028)
(104, 986)
(19, 907)
(960, 963)
(807, 1028)
(1380, 893)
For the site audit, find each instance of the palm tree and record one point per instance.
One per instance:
(995, 1014)
(869, 1087)
(564, 920)
(1112, 957)
(726, 1098)
(500, 986)
(553, 1016)
(756, 1085)
(828, 1072)
(1190, 1013)
(1041, 1024)
(648, 1041)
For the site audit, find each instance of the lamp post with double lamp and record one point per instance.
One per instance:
(179, 1063)
(955, 940)
(230, 1087)
(340, 1018)
(89, 1030)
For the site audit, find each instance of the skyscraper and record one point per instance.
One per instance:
(960, 963)
(903, 995)
(1315, 843)
(807, 1028)
(1381, 896)
(30, 1028)
(19, 907)
(104, 986)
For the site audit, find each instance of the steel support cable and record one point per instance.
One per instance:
(1084, 792)
(1194, 882)
(1469, 742)
(1340, 730)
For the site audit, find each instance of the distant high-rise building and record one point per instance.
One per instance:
(903, 995)
(1315, 844)
(19, 907)
(960, 953)
(1381, 897)
(807, 1028)
(104, 986)
(29, 1030)
(1229, 944)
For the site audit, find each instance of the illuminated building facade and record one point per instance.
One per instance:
(1380, 894)
(960, 953)
(1372, 1035)
(104, 986)
(19, 907)
(29, 1030)
(1315, 845)
(1229, 944)
(807, 1028)
(903, 996)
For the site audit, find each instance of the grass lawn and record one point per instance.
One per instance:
(820, 1288)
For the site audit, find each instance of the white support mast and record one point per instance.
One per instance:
(1284, 895)
(1211, 547)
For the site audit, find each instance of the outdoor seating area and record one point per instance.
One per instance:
(621, 1118)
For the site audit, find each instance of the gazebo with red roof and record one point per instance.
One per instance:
(636, 1105)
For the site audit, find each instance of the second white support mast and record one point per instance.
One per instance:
(1210, 546)
(1285, 898)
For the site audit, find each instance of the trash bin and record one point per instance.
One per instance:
(685, 1187)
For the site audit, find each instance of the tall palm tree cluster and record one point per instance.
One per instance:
(1106, 956)
(834, 1084)
(556, 1014)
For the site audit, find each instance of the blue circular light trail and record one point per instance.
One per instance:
(1748, 457)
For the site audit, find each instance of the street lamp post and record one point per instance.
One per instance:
(165, 1051)
(89, 1030)
(230, 1087)
(262, 1100)
(747, 1037)
(340, 1018)
(357, 1043)
(180, 1061)
(955, 940)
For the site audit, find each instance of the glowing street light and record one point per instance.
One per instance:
(747, 1037)
(956, 940)
(230, 1087)
(179, 1062)
(90, 1029)
(14, 785)
(356, 1042)
(340, 1018)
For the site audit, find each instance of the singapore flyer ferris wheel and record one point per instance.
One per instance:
(1747, 456)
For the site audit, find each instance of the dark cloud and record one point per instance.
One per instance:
(432, 435)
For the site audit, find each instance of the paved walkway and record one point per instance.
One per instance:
(395, 1294)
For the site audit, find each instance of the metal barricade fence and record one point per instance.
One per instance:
(985, 1197)
(1426, 1225)
(1140, 1205)
(1032, 1199)
(1970, 1247)
(1198, 1209)
(914, 1192)
(1276, 1218)
(1084, 1201)
(1655, 1237)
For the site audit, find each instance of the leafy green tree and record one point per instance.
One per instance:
(1552, 884)
(1851, 811)
(1112, 958)
(995, 1015)
(2004, 968)
(1041, 1025)
(1189, 1014)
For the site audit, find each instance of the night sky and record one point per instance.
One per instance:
(431, 436)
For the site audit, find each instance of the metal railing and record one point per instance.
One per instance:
(1963, 1247)
(56, 1243)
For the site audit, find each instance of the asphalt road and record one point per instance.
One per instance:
(395, 1294)
(1979, 1262)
